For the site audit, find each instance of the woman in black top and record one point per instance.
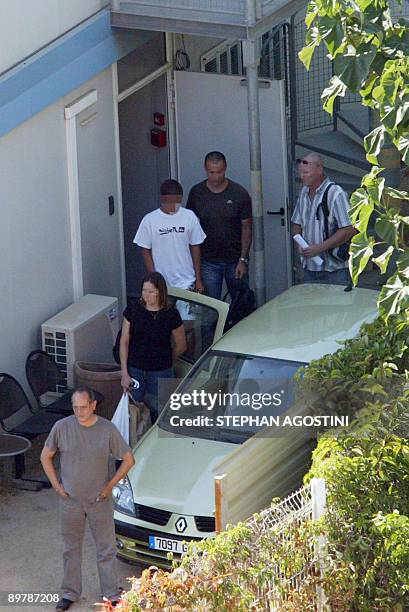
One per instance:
(149, 329)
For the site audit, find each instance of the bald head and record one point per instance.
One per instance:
(314, 157)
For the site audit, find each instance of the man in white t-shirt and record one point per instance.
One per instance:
(170, 238)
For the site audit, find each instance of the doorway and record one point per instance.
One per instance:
(143, 168)
(211, 114)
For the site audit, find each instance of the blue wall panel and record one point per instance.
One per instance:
(61, 67)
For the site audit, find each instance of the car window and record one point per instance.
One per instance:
(199, 321)
(224, 384)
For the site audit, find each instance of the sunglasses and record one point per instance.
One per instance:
(303, 161)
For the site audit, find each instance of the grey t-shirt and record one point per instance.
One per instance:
(85, 453)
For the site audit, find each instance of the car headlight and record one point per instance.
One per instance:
(123, 497)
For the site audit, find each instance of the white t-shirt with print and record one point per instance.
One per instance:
(169, 237)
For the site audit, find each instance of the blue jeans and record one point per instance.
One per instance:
(148, 387)
(213, 273)
(322, 277)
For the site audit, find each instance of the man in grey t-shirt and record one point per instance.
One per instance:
(85, 442)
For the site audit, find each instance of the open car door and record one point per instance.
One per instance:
(203, 319)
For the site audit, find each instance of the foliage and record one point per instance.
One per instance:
(370, 55)
(366, 469)
(232, 573)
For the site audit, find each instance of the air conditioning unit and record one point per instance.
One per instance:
(84, 331)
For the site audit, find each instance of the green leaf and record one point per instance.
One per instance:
(403, 147)
(361, 250)
(332, 33)
(360, 214)
(390, 117)
(336, 88)
(358, 200)
(373, 143)
(390, 82)
(374, 184)
(382, 260)
(402, 264)
(312, 39)
(395, 193)
(387, 230)
(312, 12)
(353, 67)
(306, 53)
(394, 296)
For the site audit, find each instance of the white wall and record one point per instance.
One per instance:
(36, 274)
(27, 25)
(36, 279)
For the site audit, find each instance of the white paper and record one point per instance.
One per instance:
(303, 244)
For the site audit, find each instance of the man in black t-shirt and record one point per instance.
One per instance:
(224, 211)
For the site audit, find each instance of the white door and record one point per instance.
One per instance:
(211, 114)
(98, 194)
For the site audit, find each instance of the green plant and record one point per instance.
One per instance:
(366, 469)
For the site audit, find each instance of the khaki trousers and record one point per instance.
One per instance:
(74, 513)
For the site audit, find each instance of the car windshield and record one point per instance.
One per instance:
(225, 385)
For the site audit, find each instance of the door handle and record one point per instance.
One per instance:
(277, 212)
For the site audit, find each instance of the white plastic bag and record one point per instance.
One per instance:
(121, 417)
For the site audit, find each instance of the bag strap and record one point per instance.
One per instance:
(325, 210)
(228, 292)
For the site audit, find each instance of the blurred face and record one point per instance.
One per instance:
(171, 203)
(83, 408)
(150, 294)
(310, 171)
(216, 173)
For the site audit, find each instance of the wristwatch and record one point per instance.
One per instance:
(245, 259)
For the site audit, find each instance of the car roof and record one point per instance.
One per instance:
(303, 323)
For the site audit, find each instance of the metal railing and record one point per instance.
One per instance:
(285, 520)
(216, 11)
(227, 12)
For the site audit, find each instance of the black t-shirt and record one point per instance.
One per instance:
(220, 215)
(150, 339)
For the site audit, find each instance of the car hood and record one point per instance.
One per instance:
(174, 472)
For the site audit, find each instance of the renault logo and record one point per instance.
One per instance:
(181, 524)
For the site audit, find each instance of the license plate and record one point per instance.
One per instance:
(176, 546)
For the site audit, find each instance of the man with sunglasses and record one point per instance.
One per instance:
(321, 217)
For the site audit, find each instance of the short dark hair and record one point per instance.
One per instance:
(84, 389)
(215, 157)
(171, 187)
(159, 282)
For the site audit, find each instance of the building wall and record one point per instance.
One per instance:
(34, 234)
(36, 273)
(26, 26)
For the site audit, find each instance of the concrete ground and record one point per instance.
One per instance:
(31, 549)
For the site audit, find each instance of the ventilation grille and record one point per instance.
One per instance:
(152, 515)
(55, 344)
(225, 58)
(205, 523)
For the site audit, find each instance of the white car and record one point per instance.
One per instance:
(168, 497)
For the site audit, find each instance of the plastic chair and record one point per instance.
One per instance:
(18, 417)
(47, 382)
